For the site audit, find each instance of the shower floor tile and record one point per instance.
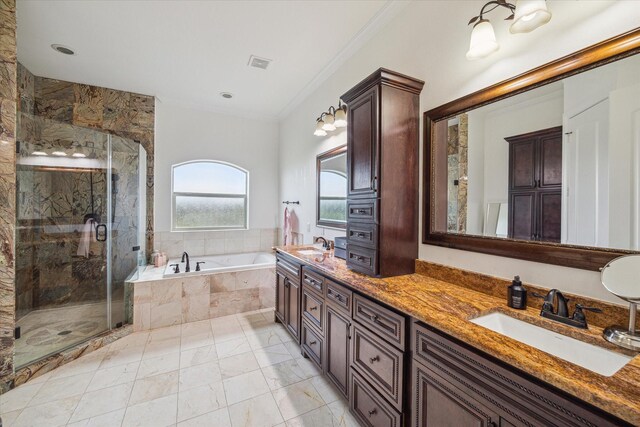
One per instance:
(48, 331)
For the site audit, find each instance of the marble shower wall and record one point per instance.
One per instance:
(8, 97)
(457, 159)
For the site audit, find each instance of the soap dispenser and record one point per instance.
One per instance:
(517, 294)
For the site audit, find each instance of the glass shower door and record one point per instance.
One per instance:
(62, 236)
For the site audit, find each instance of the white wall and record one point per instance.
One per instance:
(184, 134)
(419, 42)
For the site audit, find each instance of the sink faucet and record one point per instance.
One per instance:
(325, 244)
(186, 255)
(555, 307)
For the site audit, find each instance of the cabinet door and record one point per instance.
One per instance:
(522, 165)
(522, 215)
(280, 296)
(338, 336)
(362, 146)
(549, 216)
(441, 404)
(550, 163)
(292, 307)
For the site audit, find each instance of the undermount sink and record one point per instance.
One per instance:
(597, 359)
(310, 252)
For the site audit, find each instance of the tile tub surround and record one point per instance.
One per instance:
(442, 304)
(239, 370)
(8, 97)
(159, 302)
(198, 243)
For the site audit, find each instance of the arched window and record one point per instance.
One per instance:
(209, 195)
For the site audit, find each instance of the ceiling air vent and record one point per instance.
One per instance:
(257, 62)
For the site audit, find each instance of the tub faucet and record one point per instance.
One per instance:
(186, 255)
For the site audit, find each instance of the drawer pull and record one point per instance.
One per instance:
(361, 211)
(374, 359)
(361, 235)
(373, 412)
(313, 342)
(313, 308)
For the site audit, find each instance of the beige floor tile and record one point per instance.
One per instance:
(340, 410)
(109, 377)
(262, 339)
(154, 413)
(284, 374)
(200, 400)
(19, 397)
(198, 356)
(245, 386)
(238, 365)
(196, 340)
(294, 349)
(159, 365)
(227, 332)
(321, 417)
(165, 333)
(53, 413)
(160, 347)
(102, 401)
(61, 388)
(122, 357)
(232, 347)
(325, 389)
(110, 419)
(260, 411)
(219, 418)
(87, 363)
(204, 374)
(9, 418)
(297, 399)
(154, 387)
(271, 355)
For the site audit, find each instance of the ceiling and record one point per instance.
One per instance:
(187, 52)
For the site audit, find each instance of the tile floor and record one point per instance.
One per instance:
(240, 370)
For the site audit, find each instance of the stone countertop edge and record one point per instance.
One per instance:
(449, 308)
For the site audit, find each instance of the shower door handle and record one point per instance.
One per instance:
(101, 232)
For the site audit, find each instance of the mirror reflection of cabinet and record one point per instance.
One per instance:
(535, 185)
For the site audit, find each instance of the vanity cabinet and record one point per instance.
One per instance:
(338, 349)
(382, 174)
(455, 385)
(288, 294)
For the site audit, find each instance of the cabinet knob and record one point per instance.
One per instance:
(313, 342)
(373, 412)
(313, 308)
(374, 359)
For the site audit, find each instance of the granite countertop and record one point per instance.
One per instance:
(448, 308)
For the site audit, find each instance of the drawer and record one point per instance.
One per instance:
(363, 260)
(362, 210)
(312, 308)
(313, 280)
(362, 234)
(378, 362)
(384, 322)
(288, 267)
(312, 344)
(339, 296)
(369, 407)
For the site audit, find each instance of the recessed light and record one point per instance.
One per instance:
(227, 95)
(39, 153)
(59, 153)
(79, 155)
(62, 49)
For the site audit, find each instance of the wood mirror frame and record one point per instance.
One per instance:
(584, 257)
(324, 156)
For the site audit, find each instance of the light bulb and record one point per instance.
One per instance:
(319, 131)
(59, 153)
(79, 155)
(340, 118)
(39, 153)
(329, 122)
(529, 15)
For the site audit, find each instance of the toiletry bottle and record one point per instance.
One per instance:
(517, 295)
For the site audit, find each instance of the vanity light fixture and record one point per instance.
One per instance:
(79, 155)
(59, 153)
(331, 119)
(38, 153)
(526, 14)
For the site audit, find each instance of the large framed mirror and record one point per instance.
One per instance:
(331, 194)
(544, 166)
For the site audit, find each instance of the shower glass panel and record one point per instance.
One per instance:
(76, 233)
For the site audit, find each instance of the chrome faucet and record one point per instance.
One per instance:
(186, 255)
(556, 307)
(325, 243)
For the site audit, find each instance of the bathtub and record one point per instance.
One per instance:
(222, 263)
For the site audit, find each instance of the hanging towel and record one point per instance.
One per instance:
(88, 234)
(286, 228)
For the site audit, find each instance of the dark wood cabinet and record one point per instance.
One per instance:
(456, 385)
(338, 349)
(382, 174)
(288, 294)
(535, 185)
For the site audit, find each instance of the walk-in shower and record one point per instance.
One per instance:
(79, 232)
